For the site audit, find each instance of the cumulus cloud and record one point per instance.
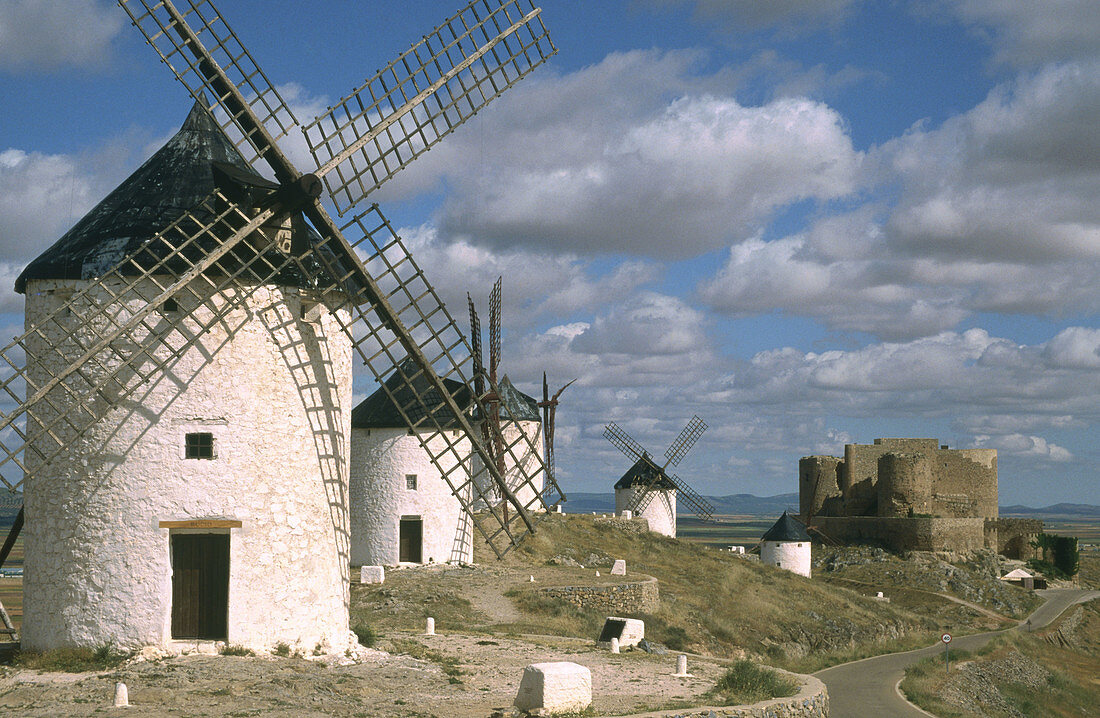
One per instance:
(1028, 34)
(42, 194)
(1022, 445)
(49, 35)
(638, 153)
(993, 211)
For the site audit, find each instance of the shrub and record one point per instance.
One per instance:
(747, 682)
(73, 660)
(281, 649)
(232, 650)
(365, 634)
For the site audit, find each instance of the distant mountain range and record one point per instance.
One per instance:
(585, 503)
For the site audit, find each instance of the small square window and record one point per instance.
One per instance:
(410, 482)
(170, 305)
(198, 446)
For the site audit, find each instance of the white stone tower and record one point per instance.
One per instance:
(658, 506)
(211, 503)
(786, 545)
(402, 511)
(519, 418)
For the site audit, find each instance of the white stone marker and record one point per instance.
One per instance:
(633, 631)
(532, 579)
(597, 574)
(429, 629)
(681, 666)
(614, 645)
(558, 687)
(122, 696)
(372, 574)
(619, 568)
(878, 595)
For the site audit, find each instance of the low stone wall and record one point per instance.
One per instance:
(614, 600)
(810, 702)
(906, 534)
(1012, 537)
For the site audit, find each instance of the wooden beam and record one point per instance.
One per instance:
(202, 524)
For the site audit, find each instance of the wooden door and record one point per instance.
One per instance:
(200, 586)
(411, 540)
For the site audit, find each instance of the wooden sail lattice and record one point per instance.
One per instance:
(653, 476)
(114, 336)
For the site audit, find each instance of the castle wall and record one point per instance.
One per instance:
(965, 483)
(274, 390)
(907, 534)
(381, 459)
(817, 483)
(660, 511)
(859, 479)
(1013, 537)
(904, 484)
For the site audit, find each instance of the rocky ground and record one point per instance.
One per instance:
(974, 578)
(454, 676)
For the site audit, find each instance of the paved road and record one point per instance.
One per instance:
(867, 687)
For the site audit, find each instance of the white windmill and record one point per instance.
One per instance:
(182, 392)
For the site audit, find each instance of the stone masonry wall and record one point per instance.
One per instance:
(812, 701)
(614, 600)
(1013, 537)
(907, 534)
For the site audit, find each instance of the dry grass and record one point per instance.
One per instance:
(1072, 688)
(715, 603)
(72, 660)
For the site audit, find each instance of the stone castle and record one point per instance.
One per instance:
(911, 494)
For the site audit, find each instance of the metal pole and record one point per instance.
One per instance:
(947, 658)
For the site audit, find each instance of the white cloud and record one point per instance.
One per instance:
(49, 35)
(1031, 33)
(1022, 445)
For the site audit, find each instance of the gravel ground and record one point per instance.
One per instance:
(484, 683)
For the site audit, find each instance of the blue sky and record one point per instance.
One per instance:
(812, 222)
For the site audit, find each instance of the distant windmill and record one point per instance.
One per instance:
(511, 425)
(646, 481)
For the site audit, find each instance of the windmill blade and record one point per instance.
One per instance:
(623, 442)
(397, 319)
(124, 339)
(475, 340)
(206, 56)
(698, 503)
(685, 440)
(395, 314)
(494, 329)
(424, 94)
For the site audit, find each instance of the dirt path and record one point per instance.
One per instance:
(458, 676)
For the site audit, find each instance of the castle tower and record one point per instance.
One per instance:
(402, 511)
(207, 500)
(904, 484)
(817, 482)
(786, 545)
(659, 506)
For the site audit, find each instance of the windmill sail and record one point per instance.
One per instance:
(231, 244)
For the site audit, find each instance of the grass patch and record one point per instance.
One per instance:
(1071, 688)
(366, 634)
(234, 650)
(772, 608)
(72, 660)
(282, 649)
(449, 664)
(747, 682)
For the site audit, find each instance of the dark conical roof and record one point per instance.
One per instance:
(379, 411)
(518, 406)
(786, 529)
(174, 180)
(642, 473)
